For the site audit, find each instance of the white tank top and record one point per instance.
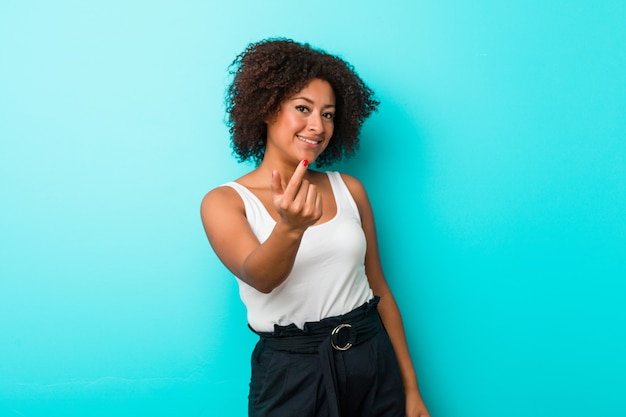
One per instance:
(328, 276)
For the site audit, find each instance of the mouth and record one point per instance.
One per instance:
(309, 140)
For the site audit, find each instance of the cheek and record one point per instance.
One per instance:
(329, 138)
(293, 123)
(283, 125)
(330, 129)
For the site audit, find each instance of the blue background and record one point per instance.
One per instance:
(496, 167)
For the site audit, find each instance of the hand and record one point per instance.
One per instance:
(415, 406)
(299, 205)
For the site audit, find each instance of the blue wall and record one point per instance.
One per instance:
(496, 167)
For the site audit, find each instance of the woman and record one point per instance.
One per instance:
(302, 243)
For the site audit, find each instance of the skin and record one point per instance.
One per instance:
(298, 198)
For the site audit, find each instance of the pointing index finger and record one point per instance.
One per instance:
(296, 179)
(299, 173)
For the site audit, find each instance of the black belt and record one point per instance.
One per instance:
(338, 333)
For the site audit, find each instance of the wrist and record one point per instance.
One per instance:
(289, 231)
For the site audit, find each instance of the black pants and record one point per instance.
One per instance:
(368, 382)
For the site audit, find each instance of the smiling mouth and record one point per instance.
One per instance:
(311, 141)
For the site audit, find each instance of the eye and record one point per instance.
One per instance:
(329, 116)
(302, 109)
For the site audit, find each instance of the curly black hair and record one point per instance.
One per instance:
(270, 71)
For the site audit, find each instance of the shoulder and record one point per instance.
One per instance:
(219, 199)
(354, 185)
(357, 190)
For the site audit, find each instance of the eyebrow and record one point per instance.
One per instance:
(308, 100)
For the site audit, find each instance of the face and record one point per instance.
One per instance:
(304, 124)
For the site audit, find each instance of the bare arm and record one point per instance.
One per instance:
(265, 265)
(388, 309)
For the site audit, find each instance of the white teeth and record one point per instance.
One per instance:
(312, 142)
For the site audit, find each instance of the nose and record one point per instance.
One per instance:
(315, 123)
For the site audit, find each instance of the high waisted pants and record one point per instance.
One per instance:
(367, 380)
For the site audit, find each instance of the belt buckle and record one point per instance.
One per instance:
(336, 331)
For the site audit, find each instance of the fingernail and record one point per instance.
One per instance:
(305, 162)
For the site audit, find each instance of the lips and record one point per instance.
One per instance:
(309, 140)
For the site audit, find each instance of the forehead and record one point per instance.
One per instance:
(316, 90)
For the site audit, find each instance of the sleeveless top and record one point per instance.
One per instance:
(328, 276)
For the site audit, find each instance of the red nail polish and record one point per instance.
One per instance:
(305, 162)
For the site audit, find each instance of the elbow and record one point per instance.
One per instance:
(263, 281)
(264, 290)
(264, 285)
